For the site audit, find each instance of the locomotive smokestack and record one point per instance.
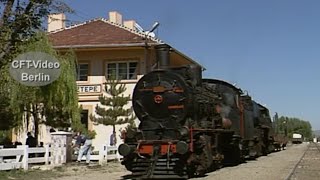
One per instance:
(196, 72)
(163, 56)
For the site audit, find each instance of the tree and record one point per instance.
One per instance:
(6, 115)
(55, 104)
(61, 97)
(20, 20)
(20, 24)
(293, 125)
(115, 113)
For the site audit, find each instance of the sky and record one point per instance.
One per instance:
(269, 48)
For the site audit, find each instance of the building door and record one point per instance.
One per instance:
(85, 118)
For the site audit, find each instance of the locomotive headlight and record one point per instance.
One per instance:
(182, 147)
(124, 149)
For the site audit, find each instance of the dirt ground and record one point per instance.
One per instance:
(73, 171)
(110, 171)
(274, 166)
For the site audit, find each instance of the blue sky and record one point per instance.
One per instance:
(269, 48)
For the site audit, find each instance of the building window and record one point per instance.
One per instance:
(122, 70)
(82, 72)
(85, 118)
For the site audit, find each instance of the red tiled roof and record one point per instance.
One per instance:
(96, 32)
(102, 33)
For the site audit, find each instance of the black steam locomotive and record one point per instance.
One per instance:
(190, 126)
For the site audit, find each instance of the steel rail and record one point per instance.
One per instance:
(296, 166)
(317, 145)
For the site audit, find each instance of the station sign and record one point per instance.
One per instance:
(96, 88)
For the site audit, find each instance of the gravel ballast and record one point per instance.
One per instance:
(275, 166)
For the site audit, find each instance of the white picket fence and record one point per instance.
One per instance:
(22, 157)
(105, 153)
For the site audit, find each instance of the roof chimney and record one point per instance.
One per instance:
(130, 24)
(56, 21)
(115, 17)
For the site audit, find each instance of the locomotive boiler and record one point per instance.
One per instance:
(250, 121)
(189, 125)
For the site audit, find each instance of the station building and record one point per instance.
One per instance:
(103, 47)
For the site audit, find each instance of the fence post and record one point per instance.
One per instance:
(1, 158)
(25, 157)
(46, 154)
(118, 155)
(60, 146)
(106, 150)
(101, 154)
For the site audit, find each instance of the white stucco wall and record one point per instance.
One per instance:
(104, 132)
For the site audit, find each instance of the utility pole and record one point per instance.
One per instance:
(285, 128)
(275, 121)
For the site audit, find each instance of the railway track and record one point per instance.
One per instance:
(308, 166)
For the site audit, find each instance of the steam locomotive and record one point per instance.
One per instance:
(190, 125)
